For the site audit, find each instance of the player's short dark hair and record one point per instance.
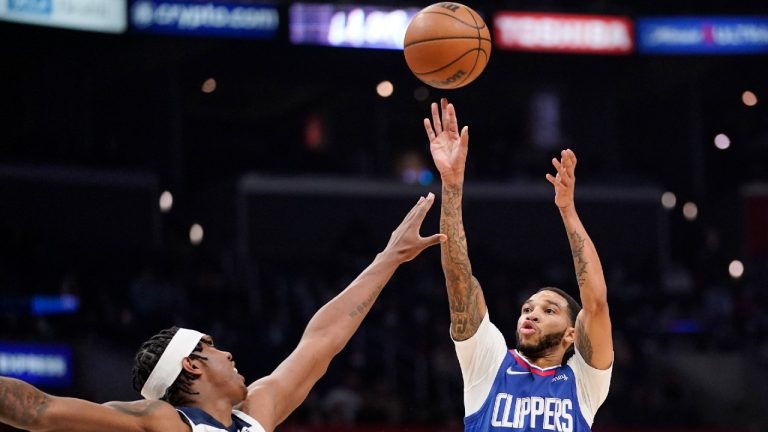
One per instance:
(573, 311)
(573, 306)
(148, 356)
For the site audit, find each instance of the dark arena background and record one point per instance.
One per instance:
(230, 166)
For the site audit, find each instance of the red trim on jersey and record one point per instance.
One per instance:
(533, 369)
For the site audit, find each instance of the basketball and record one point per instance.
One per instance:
(447, 45)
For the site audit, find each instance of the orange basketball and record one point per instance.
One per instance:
(447, 45)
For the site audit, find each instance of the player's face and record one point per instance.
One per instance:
(220, 370)
(543, 322)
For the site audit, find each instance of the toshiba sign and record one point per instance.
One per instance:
(565, 33)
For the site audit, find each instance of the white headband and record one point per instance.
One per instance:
(168, 367)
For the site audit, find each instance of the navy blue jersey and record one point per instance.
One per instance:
(505, 392)
(201, 421)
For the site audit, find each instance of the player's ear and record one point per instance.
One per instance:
(570, 335)
(192, 366)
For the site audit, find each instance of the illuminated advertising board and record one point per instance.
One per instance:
(702, 35)
(53, 305)
(42, 365)
(94, 15)
(563, 33)
(349, 25)
(218, 19)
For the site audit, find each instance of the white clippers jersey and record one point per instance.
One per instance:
(504, 392)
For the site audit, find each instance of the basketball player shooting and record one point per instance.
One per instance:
(544, 384)
(189, 384)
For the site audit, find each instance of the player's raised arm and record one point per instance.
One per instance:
(449, 151)
(593, 324)
(272, 398)
(25, 407)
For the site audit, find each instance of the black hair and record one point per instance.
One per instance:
(573, 311)
(146, 359)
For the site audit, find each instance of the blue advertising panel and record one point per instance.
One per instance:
(53, 305)
(347, 25)
(42, 365)
(702, 35)
(93, 15)
(220, 18)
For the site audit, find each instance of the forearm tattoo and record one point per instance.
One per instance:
(583, 343)
(21, 405)
(363, 307)
(465, 311)
(577, 250)
(464, 294)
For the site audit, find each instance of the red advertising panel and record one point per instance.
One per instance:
(563, 33)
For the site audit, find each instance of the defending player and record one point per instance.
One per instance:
(191, 385)
(539, 386)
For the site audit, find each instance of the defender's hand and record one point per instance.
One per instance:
(405, 242)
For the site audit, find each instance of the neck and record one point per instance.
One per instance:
(544, 360)
(220, 408)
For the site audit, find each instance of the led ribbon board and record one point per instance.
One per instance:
(702, 35)
(563, 33)
(106, 16)
(218, 19)
(352, 26)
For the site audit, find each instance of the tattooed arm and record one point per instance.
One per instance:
(25, 407)
(465, 298)
(271, 399)
(593, 325)
(449, 151)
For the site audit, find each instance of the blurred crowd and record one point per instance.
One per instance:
(400, 368)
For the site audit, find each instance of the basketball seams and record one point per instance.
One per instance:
(444, 38)
(479, 48)
(435, 48)
(456, 18)
(453, 62)
(472, 13)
